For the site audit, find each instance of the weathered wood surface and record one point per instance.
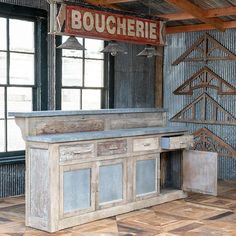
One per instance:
(200, 172)
(184, 141)
(108, 148)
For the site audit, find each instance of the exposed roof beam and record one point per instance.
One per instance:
(226, 11)
(198, 12)
(100, 3)
(108, 2)
(198, 27)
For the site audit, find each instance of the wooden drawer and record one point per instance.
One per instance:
(76, 152)
(112, 147)
(145, 144)
(177, 142)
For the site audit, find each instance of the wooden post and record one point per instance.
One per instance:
(159, 78)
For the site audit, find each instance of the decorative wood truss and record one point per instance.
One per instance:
(205, 110)
(204, 79)
(206, 48)
(205, 140)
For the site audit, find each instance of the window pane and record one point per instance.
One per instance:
(72, 71)
(93, 73)
(94, 48)
(2, 103)
(2, 135)
(19, 99)
(3, 33)
(14, 138)
(91, 99)
(72, 53)
(21, 69)
(70, 99)
(3, 67)
(21, 35)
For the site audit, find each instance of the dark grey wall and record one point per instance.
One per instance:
(134, 79)
(174, 76)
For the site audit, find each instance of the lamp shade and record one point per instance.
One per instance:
(114, 48)
(149, 51)
(71, 43)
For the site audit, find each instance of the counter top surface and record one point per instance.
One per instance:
(84, 112)
(83, 136)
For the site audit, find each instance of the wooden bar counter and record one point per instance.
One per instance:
(114, 166)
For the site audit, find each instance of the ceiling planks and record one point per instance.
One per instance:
(197, 12)
(227, 11)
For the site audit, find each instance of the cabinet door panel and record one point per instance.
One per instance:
(110, 183)
(77, 190)
(145, 176)
(200, 172)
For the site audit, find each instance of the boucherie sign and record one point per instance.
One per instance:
(86, 22)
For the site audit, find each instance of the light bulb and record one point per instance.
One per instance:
(114, 53)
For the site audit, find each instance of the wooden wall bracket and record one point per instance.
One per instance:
(204, 110)
(205, 140)
(206, 46)
(204, 79)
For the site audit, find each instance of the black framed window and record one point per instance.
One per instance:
(17, 77)
(83, 83)
(23, 73)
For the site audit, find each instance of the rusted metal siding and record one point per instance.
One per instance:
(134, 79)
(174, 76)
(12, 180)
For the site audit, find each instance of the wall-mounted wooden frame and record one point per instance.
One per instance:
(204, 79)
(205, 140)
(204, 110)
(205, 46)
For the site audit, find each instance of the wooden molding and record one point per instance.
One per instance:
(211, 13)
(197, 12)
(205, 45)
(204, 79)
(204, 110)
(205, 140)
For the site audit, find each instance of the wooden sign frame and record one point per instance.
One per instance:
(80, 21)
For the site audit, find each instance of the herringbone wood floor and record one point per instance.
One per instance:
(196, 215)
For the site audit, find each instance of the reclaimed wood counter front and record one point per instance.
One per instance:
(88, 165)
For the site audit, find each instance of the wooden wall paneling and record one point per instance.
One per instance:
(204, 110)
(204, 79)
(205, 46)
(205, 140)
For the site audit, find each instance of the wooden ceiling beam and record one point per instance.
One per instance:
(108, 2)
(197, 12)
(197, 27)
(216, 12)
(100, 3)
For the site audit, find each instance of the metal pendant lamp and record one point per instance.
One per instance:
(149, 51)
(114, 48)
(71, 43)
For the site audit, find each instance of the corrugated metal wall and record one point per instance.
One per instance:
(174, 76)
(12, 180)
(134, 79)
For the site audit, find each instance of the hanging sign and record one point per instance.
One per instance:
(85, 22)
